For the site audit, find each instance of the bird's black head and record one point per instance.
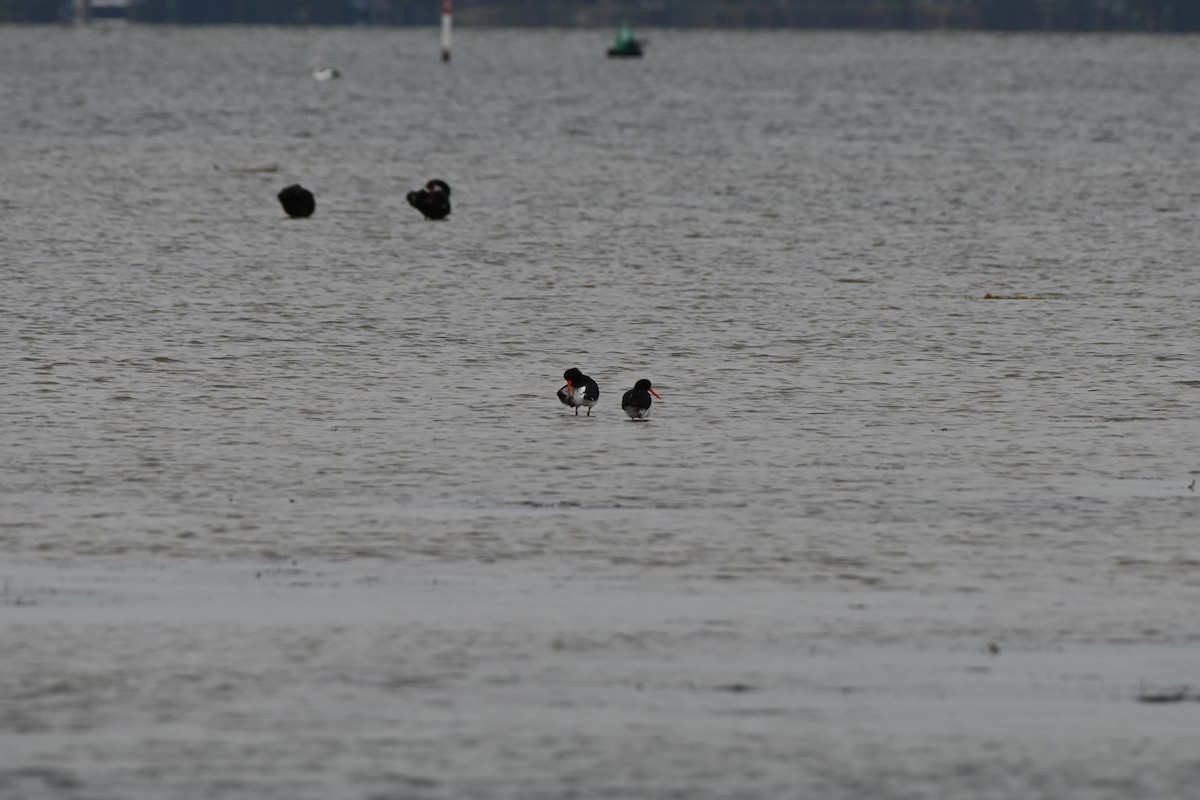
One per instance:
(436, 185)
(642, 386)
(573, 374)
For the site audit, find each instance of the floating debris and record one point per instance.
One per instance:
(990, 296)
(1173, 694)
(264, 170)
(736, 688)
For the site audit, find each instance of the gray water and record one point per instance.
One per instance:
(290, 509)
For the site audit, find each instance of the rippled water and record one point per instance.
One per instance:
(290, 508)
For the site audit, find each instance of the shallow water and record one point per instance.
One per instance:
(290, 508)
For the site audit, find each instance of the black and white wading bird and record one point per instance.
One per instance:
(433, 201)
(297, 201)
(636, 401)
(579, 391)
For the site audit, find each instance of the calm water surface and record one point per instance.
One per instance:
(289, 508)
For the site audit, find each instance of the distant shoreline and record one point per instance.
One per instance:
(472, 25)
(1062, 16)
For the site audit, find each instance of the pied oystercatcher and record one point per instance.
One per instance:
(636, 401)
(579, 391)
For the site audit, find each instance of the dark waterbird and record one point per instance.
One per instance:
(433, 201)
(579, 391)
(297, 201)
(636, 401)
